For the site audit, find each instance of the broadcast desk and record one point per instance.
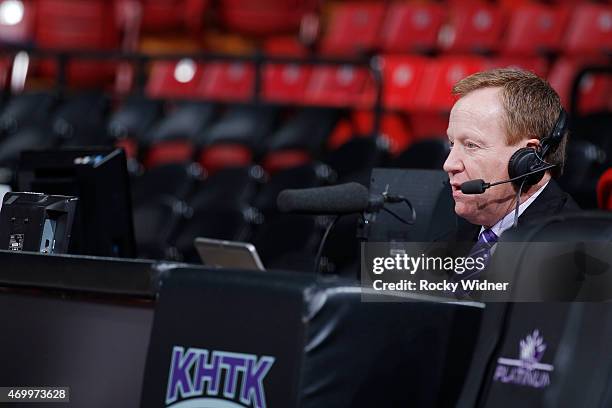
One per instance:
(136, 333)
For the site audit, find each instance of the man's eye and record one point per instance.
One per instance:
(471, 145)
(451, 144)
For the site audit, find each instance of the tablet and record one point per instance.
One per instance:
(228, 254)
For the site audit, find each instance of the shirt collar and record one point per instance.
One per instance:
(508, 220)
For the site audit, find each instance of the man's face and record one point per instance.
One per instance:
(479, 151)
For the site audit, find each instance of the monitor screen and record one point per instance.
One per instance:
(98, 177)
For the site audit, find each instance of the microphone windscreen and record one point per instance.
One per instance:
(341, 199)
(473, 187)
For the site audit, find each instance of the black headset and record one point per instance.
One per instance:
(528, 159)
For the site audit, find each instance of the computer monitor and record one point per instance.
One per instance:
(103, 223)
(429, 194)
(36, 222)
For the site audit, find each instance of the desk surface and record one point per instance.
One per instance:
(114, 276)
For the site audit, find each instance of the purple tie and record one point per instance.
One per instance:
(482, 249)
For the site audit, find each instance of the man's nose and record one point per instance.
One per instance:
(453, 163)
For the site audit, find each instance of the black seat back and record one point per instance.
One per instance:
(316, 342)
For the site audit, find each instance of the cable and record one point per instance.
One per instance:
(550, 166)
(400, 199)
(322, 243)
(518, 199)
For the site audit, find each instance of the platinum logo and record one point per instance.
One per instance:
(528, 370)
(210, 379)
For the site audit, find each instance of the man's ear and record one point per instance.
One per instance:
(533, 143)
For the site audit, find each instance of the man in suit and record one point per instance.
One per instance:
(497, 113)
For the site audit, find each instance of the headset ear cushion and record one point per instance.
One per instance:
(523, 161)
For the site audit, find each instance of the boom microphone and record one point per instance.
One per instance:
(479, 186)
(345, 198)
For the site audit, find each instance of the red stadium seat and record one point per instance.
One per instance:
(510, 5)
(165, 15)
(341, 86)
(590, 30)
(473, 27)
(402, 77)
(428, 125)
(285, 83)
(410, 27)
(170, 79)
(225, 81)
(277, 161)
(394, 129)
(440, 76)
(285, 46)
(17, 21)
(429, 117)
(604, 191)
(225, 155)
(264, 17)
(353, 28)
(535, 29)
(537, 65)
(173, 139)
(130, 146)
(168, 152)
(83, 24)
(78, 25)
(342, 133)
(595, 90)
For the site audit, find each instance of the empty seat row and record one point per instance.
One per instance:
(411, 83)
(97, 24)
(581, 32)
(352, 27)
(528, 29)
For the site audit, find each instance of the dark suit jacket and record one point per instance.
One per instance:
(551, 201)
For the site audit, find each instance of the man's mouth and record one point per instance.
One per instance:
(456, 189)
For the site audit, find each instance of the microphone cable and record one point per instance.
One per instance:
(322, 243)
(400, 199)
(386, 199)
(546, 166)
(518, 199)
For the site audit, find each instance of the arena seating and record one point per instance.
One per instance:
(159, 16)
(604, 187)
(261, 17)
(353, 29)
(285, 83)
(472, 28)
(195, 117)
(69, 25)
(536, 29)
(411, 27)
(589, 31)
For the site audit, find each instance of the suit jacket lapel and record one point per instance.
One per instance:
(550, 201)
